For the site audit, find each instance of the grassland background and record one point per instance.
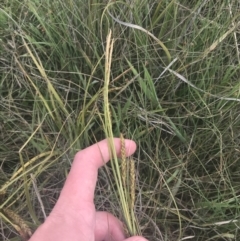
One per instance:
(176, 94)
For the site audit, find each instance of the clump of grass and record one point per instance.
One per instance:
(173, 87)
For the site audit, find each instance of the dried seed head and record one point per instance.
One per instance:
(124, 161)
(19, 224)
(132, 182)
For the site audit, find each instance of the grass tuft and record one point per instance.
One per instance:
(167, 77)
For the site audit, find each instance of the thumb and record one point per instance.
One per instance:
(136, 238)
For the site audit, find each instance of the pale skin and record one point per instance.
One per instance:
(74, 217)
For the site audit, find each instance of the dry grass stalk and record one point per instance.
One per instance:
(124, 161)
(132, 182)
(18, 223)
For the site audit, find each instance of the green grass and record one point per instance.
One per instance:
(174, 88)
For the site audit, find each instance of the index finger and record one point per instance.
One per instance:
(81, 181)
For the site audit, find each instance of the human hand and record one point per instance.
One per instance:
(74, 216)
